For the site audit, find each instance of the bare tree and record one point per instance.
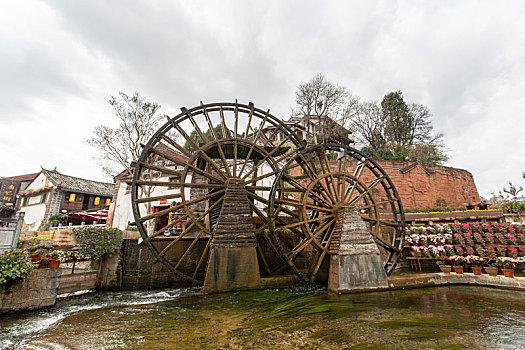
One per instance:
(368, 125)
(138, 120)
(320, 97)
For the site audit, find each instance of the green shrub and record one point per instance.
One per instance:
(14, 264)
(95, 242)
(513, 207)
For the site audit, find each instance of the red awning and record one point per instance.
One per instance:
(98, 215)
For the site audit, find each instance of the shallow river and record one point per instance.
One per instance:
(431, 318)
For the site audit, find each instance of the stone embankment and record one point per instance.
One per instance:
(436, 279)
(37, 291)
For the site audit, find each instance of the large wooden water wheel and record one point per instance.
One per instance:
(182, 176)
(309, 194)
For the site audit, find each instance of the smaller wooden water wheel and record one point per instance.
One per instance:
(187, 168)
(308, 195)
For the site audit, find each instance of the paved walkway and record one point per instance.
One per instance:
(429, 279)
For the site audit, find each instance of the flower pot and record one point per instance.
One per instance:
(508, 272)
(54, 264)
(476, 270)
(492, 271)
(35, 258)
(445, 269)
(458, 269)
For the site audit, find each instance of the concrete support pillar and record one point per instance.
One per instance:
(355, 263)
(233, 257)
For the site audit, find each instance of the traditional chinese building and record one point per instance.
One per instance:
(313, 128)
(9, 188)
(52, 193)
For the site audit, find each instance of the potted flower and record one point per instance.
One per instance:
(55, 258)
(507, 265)
(40, 251)
(416, 251)
(457, 261)
(520, 262)
(443, 266)
(475, 262)
(491, 267)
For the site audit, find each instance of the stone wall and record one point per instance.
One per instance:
(421, 185)
(37, 291)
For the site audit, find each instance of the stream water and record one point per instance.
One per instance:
(456, 317)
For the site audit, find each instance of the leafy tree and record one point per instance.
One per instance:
(138, 121)
(397, 131)
(208, 135)
(397, 119)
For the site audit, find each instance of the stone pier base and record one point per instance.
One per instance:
(232, 268)
(349, 272)
(233, 257)
(355, 263)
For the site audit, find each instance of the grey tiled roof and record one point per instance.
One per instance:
(79, 185)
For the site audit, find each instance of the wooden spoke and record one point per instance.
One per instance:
(320, 218)
(190, 226)
(235, 135)
(176, 145)
(357, 175)
(186, 136)
(394, 200)
(298, 204)
(170, 226)
(219, 147)
(264, 176)
(203, 256)
(303, 189)
(266, 157)
(158, 198)
(177, 184)
(161, 169)
(195, 240)
(305, 243)
(381, 222)
(177, 207)
(326, 170)
(317, 183)
(254, 141)
(367, 190)
(189, 165)
(203, 137)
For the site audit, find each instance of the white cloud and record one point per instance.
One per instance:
(62, 60)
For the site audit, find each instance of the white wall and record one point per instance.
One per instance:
(33, 217)
(123, 214)
(34, 210)
(39, 182)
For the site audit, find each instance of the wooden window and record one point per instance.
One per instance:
(43, 198)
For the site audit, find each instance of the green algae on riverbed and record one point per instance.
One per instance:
(433, 318)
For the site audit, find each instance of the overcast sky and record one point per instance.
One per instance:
(60, 61)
